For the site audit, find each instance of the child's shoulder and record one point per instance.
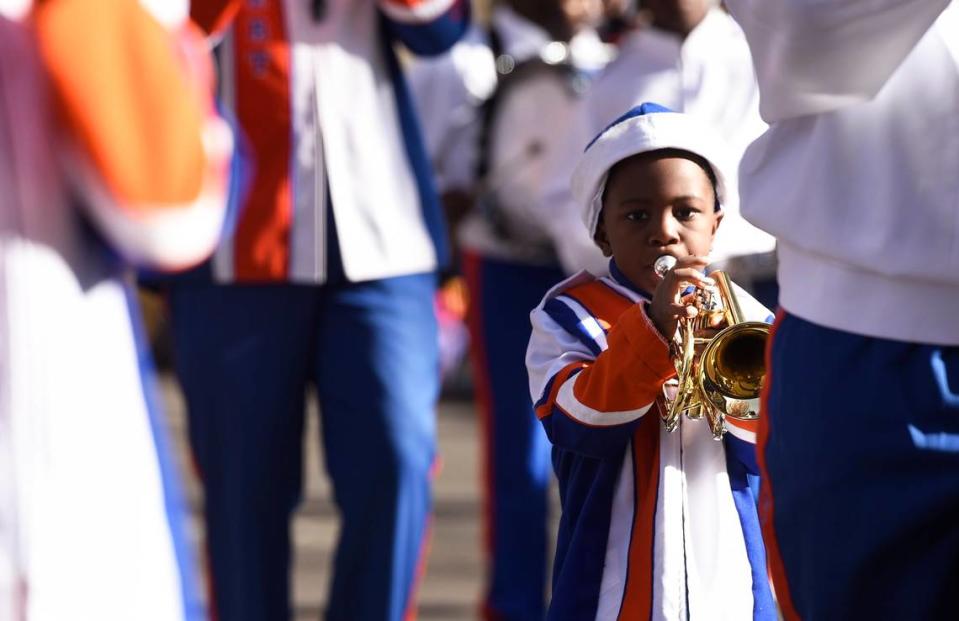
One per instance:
(585, 285)
(585, 298)
(580, 279)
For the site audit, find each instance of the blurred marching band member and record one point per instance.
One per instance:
(857, 179)
(494, 112)
(327, 279)
(111, 156)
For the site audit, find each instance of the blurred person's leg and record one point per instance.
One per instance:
(378, 380)
(243, 355)
(515, 448)
(860, 502)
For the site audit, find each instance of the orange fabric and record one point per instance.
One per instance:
(602, 302)
(124, 96)
(262, 239)
(776, 568)
(638, 595)
(214, 16)
(630, 374)
(745, 425)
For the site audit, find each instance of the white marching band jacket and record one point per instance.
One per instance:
(858, 175)
(132, 172)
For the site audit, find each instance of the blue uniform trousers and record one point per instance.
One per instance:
(861, 475)
(245, 355)
(515, 448)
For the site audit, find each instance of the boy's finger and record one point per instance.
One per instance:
(692, 274)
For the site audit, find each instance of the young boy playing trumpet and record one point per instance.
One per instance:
(655, 525)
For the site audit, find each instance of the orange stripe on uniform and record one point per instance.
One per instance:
(602, 302)
(472, 271)
(638, 593)
(546, 408)
(262, 59)
(126, 98)
(776, 568)
(745, 425)
(630, 374)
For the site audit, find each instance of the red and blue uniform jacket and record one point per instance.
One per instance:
(655, 525)
(322, 106)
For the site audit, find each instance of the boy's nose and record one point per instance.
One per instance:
(665, 233)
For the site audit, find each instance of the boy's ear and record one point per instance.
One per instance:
(719, 218)
(601, 239)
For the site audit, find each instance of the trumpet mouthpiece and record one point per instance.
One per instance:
(663, 264)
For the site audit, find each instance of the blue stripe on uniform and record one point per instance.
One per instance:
(545, 395)
(416, 155)
(562, 314)
(745, 491)
(744, 452)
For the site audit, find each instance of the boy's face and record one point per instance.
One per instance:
(656, 204)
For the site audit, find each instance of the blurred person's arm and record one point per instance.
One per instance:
(144, 148)
(813, 56)
(426, 27)
(449, 92)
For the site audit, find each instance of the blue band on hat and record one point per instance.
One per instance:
(647, 107)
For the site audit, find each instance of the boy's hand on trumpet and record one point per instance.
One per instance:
(670, 301)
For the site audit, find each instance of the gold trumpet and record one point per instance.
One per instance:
(726, 378)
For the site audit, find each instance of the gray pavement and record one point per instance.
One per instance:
(450, 589)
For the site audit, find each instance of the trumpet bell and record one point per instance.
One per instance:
(725, 379)
(732, 369)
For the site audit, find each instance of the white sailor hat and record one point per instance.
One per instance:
(647, 127)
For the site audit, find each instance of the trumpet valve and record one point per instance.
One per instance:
(709, 300)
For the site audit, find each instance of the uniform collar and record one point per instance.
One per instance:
(620, 278)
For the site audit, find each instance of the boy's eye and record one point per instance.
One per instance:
(637, 215)
(686, 213)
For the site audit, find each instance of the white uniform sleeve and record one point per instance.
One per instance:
(813, 56)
